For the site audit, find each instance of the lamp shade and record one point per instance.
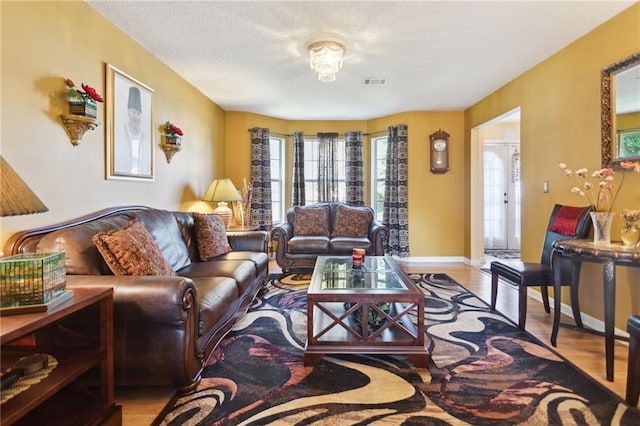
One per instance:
(16, 198)
(222, 190)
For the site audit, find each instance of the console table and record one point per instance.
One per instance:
(573, 253)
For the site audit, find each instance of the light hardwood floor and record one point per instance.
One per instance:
(586, 351)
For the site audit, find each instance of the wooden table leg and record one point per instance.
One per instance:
(557, 293)
(311, 359)
(609, 277)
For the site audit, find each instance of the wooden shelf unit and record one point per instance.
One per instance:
(79, 390)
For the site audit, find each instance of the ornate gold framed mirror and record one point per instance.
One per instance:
(620, 111)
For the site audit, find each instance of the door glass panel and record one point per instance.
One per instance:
(495, 177)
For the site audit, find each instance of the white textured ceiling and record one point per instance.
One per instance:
(447, 55)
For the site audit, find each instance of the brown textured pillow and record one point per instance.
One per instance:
(132, 251)
(210, 236)
(311, 221)
(352, 222)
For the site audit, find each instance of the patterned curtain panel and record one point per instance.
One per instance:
(354, 174)
(261, 213)
(297, 192)
(396, 200)
(327, 173)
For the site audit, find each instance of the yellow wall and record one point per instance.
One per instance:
(435, 228)
(628, 121)
(45, 42)
(560, 122)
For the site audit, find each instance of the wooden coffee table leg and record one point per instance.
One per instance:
(419, 360)
(312, 359)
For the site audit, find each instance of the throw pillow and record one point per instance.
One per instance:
(311, 221)
(132, 251)
(352, 222)
(566, 221)
(211, 236)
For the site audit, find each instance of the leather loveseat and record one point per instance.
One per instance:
(165, 327)
(324, 229)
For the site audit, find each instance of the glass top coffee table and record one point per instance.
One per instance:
(366, 310)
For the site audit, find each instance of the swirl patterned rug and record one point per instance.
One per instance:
(483, 372)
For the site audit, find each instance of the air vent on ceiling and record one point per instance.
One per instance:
(374, 81)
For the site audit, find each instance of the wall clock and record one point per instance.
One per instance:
(439, 151)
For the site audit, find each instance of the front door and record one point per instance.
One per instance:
(502, 196)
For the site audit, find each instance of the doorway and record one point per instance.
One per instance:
(503, 130)
(501, 171)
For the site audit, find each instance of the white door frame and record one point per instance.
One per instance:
(477, 191)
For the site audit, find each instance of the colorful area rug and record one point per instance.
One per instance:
(483, 372)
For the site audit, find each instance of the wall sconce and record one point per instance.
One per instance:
(172, 140)
(222, 190)
(82, 110)
(171, 146)
(77, 125)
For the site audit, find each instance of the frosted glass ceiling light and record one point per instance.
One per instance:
(325, 57)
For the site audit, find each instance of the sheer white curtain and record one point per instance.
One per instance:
(327, 173)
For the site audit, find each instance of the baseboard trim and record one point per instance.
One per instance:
(587, 320)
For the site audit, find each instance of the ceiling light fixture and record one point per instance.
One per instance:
(325, 57)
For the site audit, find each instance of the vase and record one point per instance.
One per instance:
(602, 227)
(630, 234)
(85, 107)
(174, 140)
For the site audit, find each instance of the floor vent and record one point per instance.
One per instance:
(374, 81)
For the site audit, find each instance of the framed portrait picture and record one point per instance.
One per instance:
(129, 124)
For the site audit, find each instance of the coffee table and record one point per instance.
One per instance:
(370, 310)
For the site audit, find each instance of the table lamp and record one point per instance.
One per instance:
(16, 198)
(222, 191)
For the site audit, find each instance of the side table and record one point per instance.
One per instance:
(573, 253)
(79, 335)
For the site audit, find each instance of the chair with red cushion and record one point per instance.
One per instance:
(566, 223)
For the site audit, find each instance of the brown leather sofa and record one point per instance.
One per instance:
(324, 229)
(165, 327)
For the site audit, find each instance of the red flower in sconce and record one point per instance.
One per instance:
(172, 129)
(90, 92)
(86, 92)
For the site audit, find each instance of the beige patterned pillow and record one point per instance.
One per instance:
(211, 236)
(352, 222)
(311, 221)
(132, 251)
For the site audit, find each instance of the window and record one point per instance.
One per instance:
(378, 173)
(311, 170)
(276, 154)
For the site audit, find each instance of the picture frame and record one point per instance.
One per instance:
(628, 144)
(129, 124)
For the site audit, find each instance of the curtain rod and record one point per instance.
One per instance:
(340, 134)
